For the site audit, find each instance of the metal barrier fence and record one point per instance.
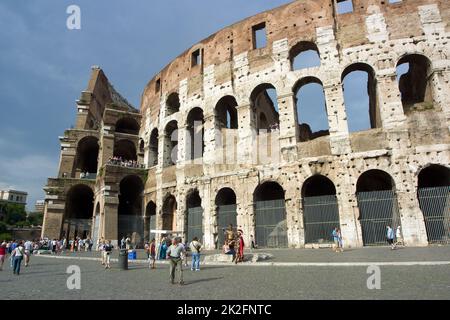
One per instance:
(377, 209)
(435, 206)
(271, 226)
(77, 228)
(133, 227)
(320, 216)
(226, 215)
(195, 224)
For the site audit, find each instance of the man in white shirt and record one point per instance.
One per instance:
(28, 249)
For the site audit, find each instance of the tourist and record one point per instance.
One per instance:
(108, 249)
(28, 250)
(241, 245)
(3, 251)
(101, 248)
(17, 256)
(174, 253)
(122, 243)
(80, 244)
(12, 247)
(54, 246)
(229, 234)
(128, 243)
(195, 247)
(152, 250)
(390, 236)
(163, 248)
(335, 237)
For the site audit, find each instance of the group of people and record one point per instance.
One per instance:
(394, 238)
(118, 161)
(17, 251)
(232, 241)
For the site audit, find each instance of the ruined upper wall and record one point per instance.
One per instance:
(294, 22)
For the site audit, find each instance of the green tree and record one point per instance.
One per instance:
(35, 218)
(13, 213)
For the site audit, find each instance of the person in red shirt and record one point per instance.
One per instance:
(240, 254)
(2, 254)
(152, 250)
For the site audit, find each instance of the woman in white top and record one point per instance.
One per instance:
(18, 254)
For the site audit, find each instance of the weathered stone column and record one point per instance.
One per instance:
(209, 139)
(288, 126)
(246, 134)
(53, 219)
(294, 234)
(208, 216)
(337, 118)
(110, 226)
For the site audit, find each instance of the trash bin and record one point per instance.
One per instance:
(123, 259)
(132, 255)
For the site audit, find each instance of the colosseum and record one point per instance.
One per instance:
(222, 136)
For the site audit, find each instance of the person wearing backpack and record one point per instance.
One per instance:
(17, 255)
(195, 247)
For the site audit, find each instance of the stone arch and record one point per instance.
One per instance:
(172, 103)
(127, 125)
(226, 115)
(194, 215)
(125, 149)
(170, 152)
(320, 209)
(311, 109)
(413, 76)
(226, 210)
(169, 209)
(129, 210)
(195, 142)
(153, 148)
(304, 54)
(264, 105)
(270, 215)
(433, 193)
(378, 206)
(87, 155)
(354, 76)
(78, 212)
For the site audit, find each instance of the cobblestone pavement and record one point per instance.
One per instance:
(46, 278)
(371, 254)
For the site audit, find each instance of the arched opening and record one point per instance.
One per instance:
(226, 113)
(127, 125)
(172, 104)
(195, 143)
(153, 148)
(360, 95)
(194, 216)
(150, 215)
(226, 213)
(312, 114)
(130, 217)
(434, 200)
(125, 149)
(141, 146)
(168, 212)
(413, 76)
(303, 55)
(320, 209)
(264, 105)
(78, 212)
(170, 144)
(87, 157)
(378, 207)
(270, 216)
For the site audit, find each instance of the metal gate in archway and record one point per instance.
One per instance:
(226, 215)
(320, 216)
(271, 225)
(133, 227)
(435, 206)
(194, 224)
(377, 210)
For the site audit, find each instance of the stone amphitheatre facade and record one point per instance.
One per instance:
(395, 172)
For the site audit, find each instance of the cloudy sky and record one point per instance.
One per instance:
(44, 66)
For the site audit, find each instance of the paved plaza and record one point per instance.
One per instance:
(46, 278)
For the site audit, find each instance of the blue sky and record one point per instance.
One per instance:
(44, 66)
